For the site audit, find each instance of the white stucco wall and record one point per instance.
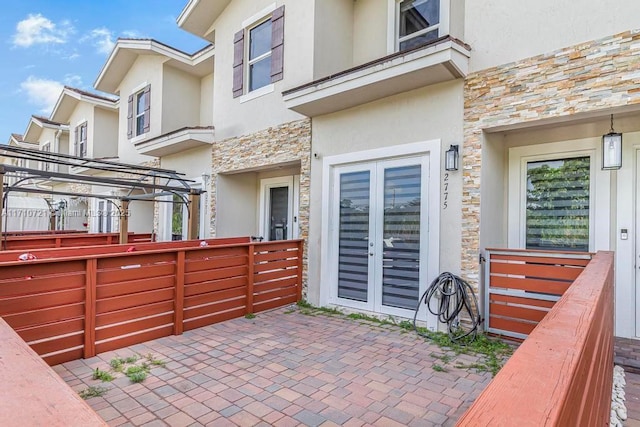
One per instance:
(232, 116)
(105, 134)
(333, 38)
(500, 32)
(430, 113)
(181, 99)
(206, 100)
(370, 30)
(237, 217)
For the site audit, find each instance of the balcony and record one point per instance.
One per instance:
(443, 60)
(176, 141)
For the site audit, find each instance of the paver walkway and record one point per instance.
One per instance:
(286, 368)
(627, 355)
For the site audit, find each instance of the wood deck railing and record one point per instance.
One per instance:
(76, 305)
(42, 232)
(521, 286)
(68, 240)
(32, 393)
(561, 375)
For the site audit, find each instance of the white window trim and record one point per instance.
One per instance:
(432, 148)
(43, 164)
(247, 62)
(599, 189)
(79, 127)
(393, 16)
(259, 16)
(264, 90)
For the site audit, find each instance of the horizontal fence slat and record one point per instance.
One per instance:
(275, 284)
(274, 275)
(150, 309)
(268, 305)
(275, 265)
(213, 297)
(134, 286)
(541, 259)
(536, 270)
(48, 330)
(134, 272)
(120, 329)
(40, 301)
(218, 317)
(209, 309)
(195, 265)
(63, 357)
(521, 300)
(214, 285)
(516, 312)
(134, 339)
(274, 294)
(542, 286)
(511, 325)
(35, 269)
(220, 273)
(20, 287)
(36, 317)
(275, 256)
(57, 344)
(142, 298)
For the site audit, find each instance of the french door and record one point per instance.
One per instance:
(380, 234)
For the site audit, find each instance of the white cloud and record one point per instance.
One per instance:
(101, 39)
(36, 29)
(132, 34)
(73, 80)
(42, 93)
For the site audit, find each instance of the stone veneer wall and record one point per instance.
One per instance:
(588, 77)
(276, 145)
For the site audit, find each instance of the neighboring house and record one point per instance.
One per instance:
(261, 155)
(165, 120)
(16, 140)
(389, 86)
(93, 127)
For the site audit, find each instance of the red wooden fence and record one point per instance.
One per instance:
(69, 240)
(561, 375)
(523, 285)
(76, 306)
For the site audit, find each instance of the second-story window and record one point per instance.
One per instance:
(139, 113)
(418, 22)
(259, 57)
(81, 140)
(260, 61)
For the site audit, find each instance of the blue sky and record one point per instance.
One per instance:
(45, 44)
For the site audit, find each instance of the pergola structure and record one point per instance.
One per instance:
(152, 182)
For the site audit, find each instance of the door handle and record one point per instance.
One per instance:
(370, 253)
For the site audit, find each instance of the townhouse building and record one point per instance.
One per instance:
(164, 120)
(353, 105)
(93, 130)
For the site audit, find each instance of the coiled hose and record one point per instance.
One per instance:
(456, 296)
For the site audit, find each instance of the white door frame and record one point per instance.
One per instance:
(292, 182)
(599, 189)
(430, 238)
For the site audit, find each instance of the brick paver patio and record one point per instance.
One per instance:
(285, 368)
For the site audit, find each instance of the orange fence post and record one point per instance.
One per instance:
(178, 326)
(90, 308)
(300, 267)
(250, 273)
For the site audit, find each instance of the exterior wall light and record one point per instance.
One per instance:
(451, 158)
(612, 149)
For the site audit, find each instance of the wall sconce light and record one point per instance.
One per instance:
(451, 157)
(612, 149)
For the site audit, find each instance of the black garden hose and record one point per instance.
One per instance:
(456, 296)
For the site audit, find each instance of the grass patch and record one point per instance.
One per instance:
(101, 375)
(137, 374)
(310, 310)
(249, 316)
(93, 391)
(116, 364)
(438, 368)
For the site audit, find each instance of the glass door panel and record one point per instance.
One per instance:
(353, 235)
(401, 237)
(278, 212)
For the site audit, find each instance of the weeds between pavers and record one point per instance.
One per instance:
(136, 368)
(494, 352)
